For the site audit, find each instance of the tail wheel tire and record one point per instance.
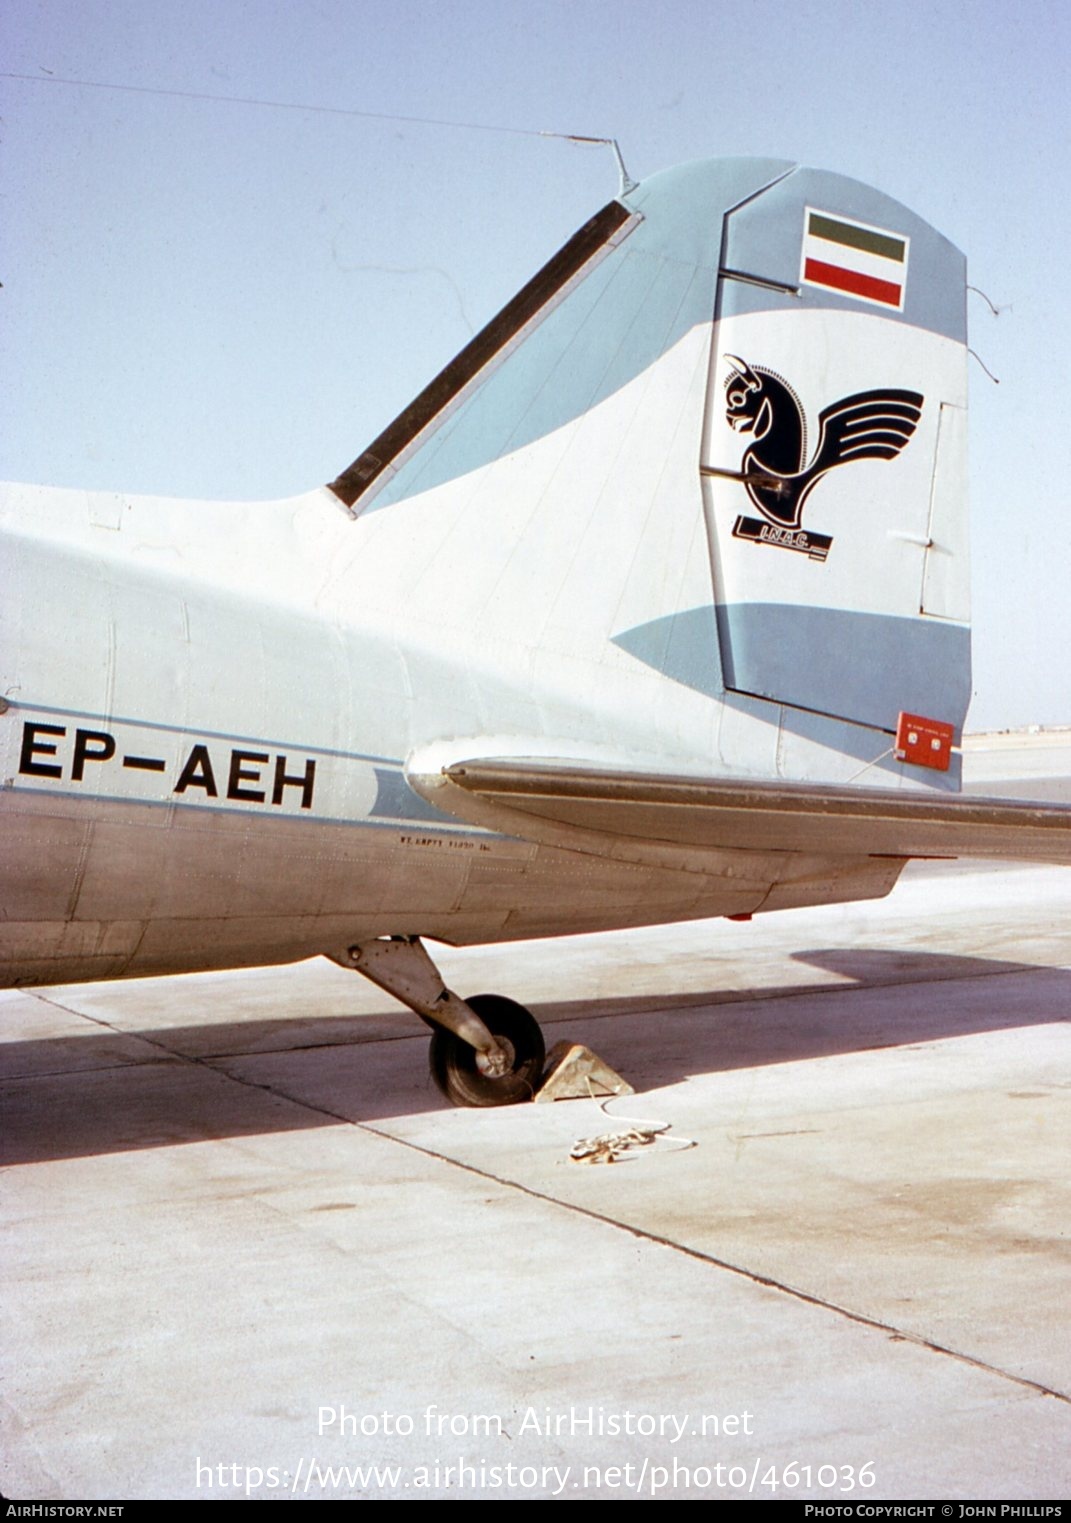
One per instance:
(456, 1067)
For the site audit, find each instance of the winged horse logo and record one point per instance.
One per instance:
(869, 425)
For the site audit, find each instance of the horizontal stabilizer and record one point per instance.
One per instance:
(714, 814)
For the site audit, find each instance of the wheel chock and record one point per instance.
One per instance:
(575, 1073)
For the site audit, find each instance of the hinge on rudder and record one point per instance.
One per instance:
(924, 742)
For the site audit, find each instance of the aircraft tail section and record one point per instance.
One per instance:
(699, 489)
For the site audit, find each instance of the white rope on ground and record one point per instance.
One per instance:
(627, 1144)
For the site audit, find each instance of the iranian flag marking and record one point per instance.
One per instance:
(854, 259)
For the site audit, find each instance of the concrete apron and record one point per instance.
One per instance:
(249, 1249)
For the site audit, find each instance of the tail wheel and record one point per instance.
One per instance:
(456, 1067)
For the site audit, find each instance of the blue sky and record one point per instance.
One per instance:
(210, 299)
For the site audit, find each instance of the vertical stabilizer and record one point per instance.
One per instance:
(698, 488)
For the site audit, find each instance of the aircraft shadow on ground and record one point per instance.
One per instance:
(78, 1096)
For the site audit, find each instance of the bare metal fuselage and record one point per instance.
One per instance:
(204, 751)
